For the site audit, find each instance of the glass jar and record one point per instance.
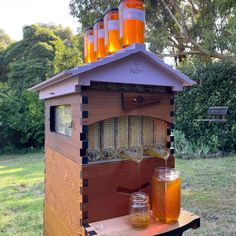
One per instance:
(166, 195)
(139, 215)
(89, 55)
(112, 31)
(99, 38)
(132, 22)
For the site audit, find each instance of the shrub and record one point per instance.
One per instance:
(216, 87)
(188, 150)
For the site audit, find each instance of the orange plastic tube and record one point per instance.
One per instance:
(99, 39)
(89, 55)
(112, 31)
(132, 22)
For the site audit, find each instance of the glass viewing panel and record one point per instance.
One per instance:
(113, 138)
(63, 120)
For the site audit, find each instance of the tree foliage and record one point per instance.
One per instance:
(43, 52)
(5, 40)
(216, 87)
(21, 116)
(178, 28)
(88, 10)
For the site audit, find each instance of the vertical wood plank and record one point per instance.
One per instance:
(62, 212)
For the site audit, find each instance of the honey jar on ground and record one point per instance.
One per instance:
(166, 196)
(89, 55)
(99, 38)
(112, 31)
(132, 22)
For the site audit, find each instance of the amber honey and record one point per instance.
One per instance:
(166, 196)
(89, 55)
(99, 39)
(132, 22)
(140, 221)
(139, 210)
(112, 31)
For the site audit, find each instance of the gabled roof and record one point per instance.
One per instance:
(103, 70)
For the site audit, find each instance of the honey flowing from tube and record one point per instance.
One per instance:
(132, 22)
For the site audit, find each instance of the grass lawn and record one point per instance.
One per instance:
(209, 190)
(21, 195)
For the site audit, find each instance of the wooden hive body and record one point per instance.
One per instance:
(130, 83)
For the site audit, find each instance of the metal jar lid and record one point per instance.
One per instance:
(88, 28)
(110, 10)
(98, 20)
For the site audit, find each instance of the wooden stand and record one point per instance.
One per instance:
(120, 226)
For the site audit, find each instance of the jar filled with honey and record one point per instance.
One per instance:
(112, 31)
(139, 215)
(132, 22)
(166, 195)
(89, 55)
(99, 38)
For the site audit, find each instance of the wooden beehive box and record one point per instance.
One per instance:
(123, 100)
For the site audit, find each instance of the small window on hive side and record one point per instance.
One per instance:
(61, 119)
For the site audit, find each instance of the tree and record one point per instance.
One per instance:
(38, 56)
(21, 116)
(71, 56)
(2, 68)
(64, 33)
(192, 27)
(180, 27)
(31, 60)
(216, 87)
(5, 40)
(88, 10)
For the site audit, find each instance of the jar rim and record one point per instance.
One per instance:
(124, 0)
(139, 197)
(98, 20)
(110, 10)
(166, 170)
(88, 28)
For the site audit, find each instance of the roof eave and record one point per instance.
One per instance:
(53, 80)
(178, 74)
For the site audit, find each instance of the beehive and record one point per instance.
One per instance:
(121, 101)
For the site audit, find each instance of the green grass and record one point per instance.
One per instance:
(209, 190)
(21, 195)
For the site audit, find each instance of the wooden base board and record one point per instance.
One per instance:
(120, 226)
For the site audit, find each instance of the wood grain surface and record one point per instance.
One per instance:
(68, 146)
(160, 132)
(104, 201)
(134, 100)
(62, 196)
(120, 226)
(63, 184)
(108, 104)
